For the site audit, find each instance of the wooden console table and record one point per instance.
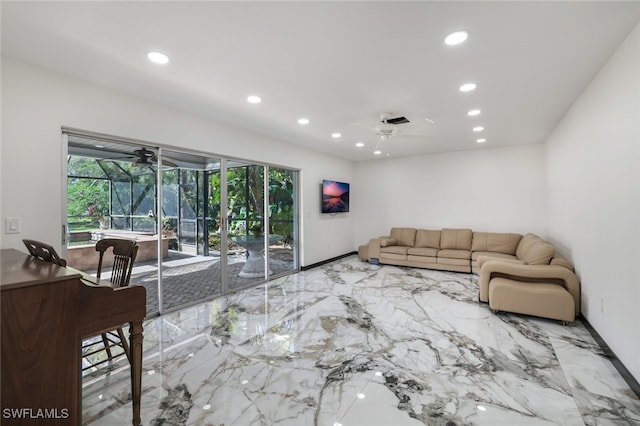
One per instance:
(46, 312)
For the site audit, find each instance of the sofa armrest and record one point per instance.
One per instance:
(374, 248)
(529, 273)
(485, 258)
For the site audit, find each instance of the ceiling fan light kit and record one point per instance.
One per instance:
(391, 126)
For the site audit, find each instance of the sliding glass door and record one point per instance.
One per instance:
(206, 225)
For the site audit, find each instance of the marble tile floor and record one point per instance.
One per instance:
(352, 344)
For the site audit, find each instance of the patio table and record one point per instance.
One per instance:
(254, 266)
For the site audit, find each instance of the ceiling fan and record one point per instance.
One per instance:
(391, 126)
(146, 157)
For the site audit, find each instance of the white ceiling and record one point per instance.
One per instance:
(337, 63)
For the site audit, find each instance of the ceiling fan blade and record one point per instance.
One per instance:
(168, 163)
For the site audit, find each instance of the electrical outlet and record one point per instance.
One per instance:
(602, 305)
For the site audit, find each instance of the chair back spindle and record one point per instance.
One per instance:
(124, 254)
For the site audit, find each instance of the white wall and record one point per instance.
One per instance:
(593, 160)
(37, 103)
(497, 190)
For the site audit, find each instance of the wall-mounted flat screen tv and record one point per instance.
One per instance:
(335, 197)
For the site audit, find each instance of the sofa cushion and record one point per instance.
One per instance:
(425, 261)
(456, 239)
(541, 299)
(427, 238)
(525, 244)
(423, 251)
(385, 242)
(394, 253)
(495, 242)
(395, 250)
(454, 262)
(559, 260)
(454, 254)
(540, 253)
(404, 236)
(493, 255)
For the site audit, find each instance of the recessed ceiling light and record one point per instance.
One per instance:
(253, 99)
(158, 58)
(377, 152)
(303, 121)
(468, 87)
(361, 396)
(456, 38)
(473, 112)
(360, 144)
(336, 135)
(478, 129)
(483, 140)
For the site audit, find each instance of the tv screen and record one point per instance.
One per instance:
(335, 197)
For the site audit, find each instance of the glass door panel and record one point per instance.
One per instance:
(282, 220)
(191, 262)
(246, 224)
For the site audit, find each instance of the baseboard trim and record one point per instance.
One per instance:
(626, 374)
(324, 262)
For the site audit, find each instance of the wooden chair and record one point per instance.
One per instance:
(124, 255)
(44, 252)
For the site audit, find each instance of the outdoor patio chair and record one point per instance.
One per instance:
(44, 252)
(124, 255)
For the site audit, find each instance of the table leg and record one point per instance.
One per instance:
(254, 265)
(135, 345)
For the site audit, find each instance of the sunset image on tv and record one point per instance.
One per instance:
(335, 197)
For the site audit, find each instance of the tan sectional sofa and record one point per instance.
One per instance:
(521, 274)
(447, 249)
